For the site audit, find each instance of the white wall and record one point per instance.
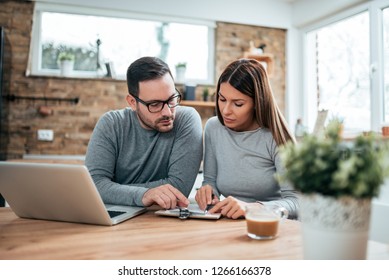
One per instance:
(257, 12)
(308, 11)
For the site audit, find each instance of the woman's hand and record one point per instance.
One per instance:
(205, 196)
(230, 207)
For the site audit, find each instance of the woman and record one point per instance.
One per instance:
(241, 145)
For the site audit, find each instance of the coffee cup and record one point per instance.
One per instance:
(263, 220)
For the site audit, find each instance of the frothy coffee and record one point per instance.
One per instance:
(263, 226)
(263, 221)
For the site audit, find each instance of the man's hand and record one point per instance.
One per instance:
(166, 196)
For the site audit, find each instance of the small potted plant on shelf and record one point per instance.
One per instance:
(205, 94)
(337, 180)
(66, 61)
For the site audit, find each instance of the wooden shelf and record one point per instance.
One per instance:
(206, 109)
(196, 103)
(266, 58)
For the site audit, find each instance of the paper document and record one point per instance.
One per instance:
(192, 211)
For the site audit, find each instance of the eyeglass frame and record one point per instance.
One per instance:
(147, 104)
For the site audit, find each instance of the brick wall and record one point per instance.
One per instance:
(73, 123)
(232, 40)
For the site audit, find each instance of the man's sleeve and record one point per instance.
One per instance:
(101, 160)
(187, 152)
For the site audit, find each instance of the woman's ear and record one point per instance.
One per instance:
(131, 101)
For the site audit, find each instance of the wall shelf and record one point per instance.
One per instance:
(13, 97)
(267, 59)
(195, 103)
(206, 109)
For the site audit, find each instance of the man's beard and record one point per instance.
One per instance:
(155, 125)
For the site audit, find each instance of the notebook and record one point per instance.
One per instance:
(58, 192)
(192, 211)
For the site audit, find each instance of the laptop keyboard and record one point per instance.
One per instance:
(113, 213)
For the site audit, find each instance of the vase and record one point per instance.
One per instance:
(66, 67)
(190, 92)
(334, 228)
(180, 74)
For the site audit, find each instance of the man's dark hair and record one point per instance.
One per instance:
(144, 69)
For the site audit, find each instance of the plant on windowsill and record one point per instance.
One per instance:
(65, 56)
(337, 181)
(180, 72)
(66, 62)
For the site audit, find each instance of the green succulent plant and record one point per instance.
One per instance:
(181, 64)
(205, 94)
(328, 165)
(65, 56)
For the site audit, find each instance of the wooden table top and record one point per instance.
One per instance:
(145, 237)
(150, 237)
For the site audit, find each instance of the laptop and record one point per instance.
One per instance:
(58, 192)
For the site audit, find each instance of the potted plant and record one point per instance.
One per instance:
(180, 72)
(66, 61)
(337, 180)
(205, 94)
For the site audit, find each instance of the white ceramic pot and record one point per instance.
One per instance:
(334, 228)
(180, 74)
(66, 67)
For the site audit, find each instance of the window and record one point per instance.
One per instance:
(339, 68)
(349, 77)
(385, 21)
(104, 42)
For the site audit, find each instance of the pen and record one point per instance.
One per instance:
(209, 206)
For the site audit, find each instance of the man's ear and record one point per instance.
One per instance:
(131, 101)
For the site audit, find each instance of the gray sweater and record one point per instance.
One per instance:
(125, 160)
(243, 165)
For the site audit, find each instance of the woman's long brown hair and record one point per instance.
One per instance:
(250, 78)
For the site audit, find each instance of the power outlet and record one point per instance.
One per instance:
(45, 135)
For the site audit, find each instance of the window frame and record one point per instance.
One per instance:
(376, 63)
(35, 56)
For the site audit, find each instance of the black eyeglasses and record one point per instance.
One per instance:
(157, 106)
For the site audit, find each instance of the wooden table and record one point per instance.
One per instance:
(147, 236)
(150, 237)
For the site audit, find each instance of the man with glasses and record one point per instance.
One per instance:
(149, 153)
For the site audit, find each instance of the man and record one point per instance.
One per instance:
(149, 153)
